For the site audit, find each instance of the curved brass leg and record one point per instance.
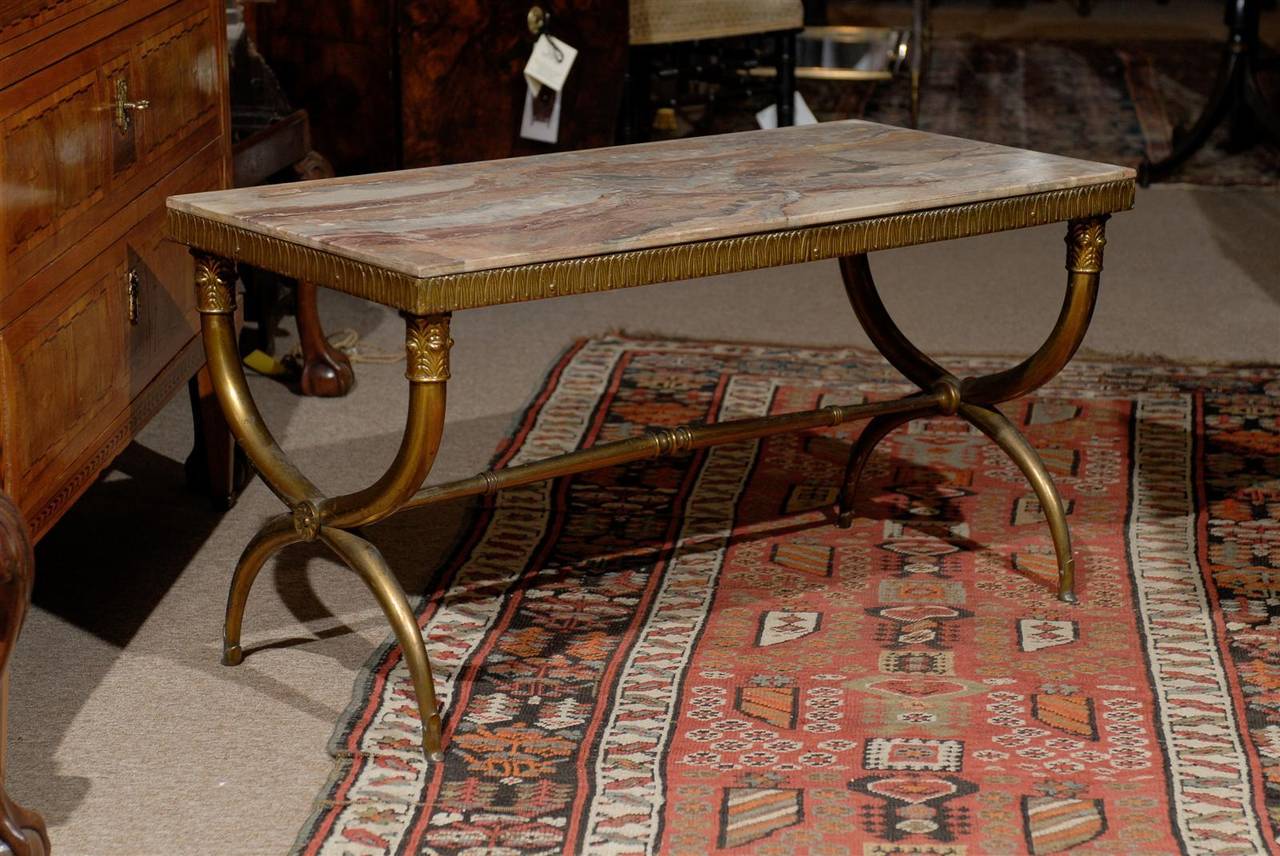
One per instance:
(872, 433)
(997, 426)
(279, 532)
(427, 343)
(365, 560)
(880, 327)
(974, 397)
(215, 299)
(312, 515)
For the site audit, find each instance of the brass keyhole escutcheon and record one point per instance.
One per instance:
(123, 106)
(536, 19)
(133, 295)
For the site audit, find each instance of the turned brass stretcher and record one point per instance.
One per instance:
(434, 241)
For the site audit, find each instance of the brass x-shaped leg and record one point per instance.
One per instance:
(974, 398)
(312, 515)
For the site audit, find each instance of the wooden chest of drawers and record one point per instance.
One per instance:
(106, 108)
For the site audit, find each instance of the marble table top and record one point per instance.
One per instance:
(437, 221)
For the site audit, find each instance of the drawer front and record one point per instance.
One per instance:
(52, 161)
(177, 71)
(77, 359)
(71, 156)
(20, 15)
(160, 279)
(62, 365)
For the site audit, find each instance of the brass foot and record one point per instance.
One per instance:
(278, 532)
(431, 740)
(232, 655)
(364, 558)
(1002, 432)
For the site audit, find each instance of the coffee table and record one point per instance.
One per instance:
(430, 242)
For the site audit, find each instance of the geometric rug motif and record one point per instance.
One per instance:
(666, 657)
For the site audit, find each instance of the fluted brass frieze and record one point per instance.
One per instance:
(448, 293)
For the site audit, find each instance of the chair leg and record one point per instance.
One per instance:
(22, 831)
(635, 96)
(786, 66)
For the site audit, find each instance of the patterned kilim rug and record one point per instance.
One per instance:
(687, 656)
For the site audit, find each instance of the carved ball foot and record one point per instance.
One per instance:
(330, 376)
(22, 832)
(844, 519)
(1068, 597)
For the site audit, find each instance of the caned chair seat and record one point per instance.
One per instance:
(657, 22)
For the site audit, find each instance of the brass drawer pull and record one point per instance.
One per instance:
(133, 292)
(123, 105)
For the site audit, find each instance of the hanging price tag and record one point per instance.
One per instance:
(549, 64)
(541, 120)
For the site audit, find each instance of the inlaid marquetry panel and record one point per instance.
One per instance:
(63, 370)
(165, 317)
(51, 162)
(82, 191)
(177, 71)
(22, 14)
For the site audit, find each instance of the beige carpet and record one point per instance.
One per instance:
(131, 738)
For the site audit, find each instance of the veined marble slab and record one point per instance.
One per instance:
(496, 214)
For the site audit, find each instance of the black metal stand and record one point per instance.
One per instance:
(786, 65)
(1236, 96)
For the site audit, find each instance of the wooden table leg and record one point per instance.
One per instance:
(22, 831)
(216, 465)
(326, 371)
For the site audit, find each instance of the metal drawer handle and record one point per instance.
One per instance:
(123, 105)
(133, 292)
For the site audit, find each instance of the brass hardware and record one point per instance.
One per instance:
(536, 20)
(122, 105)
(215, 284)
(451, 292)
(133, 297)
(306, 520)
(1085, 240)
(427, 345)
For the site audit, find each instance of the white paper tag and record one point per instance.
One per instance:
(541, 120)
(549, 63)
(768, 117)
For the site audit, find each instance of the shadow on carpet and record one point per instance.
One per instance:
(686, 656)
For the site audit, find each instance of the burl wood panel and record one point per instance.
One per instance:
(462, 73)
(336, 60)
(440, 82)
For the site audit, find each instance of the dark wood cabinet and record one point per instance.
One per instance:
(399, 83)
(105, 109)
